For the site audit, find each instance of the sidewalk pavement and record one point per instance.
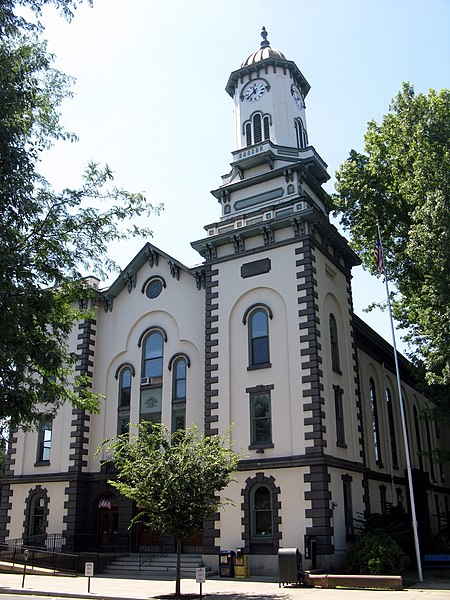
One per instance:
(253, 588)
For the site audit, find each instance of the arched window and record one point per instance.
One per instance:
(36, 514)
(257, 128)
(335, 362)
(248, 134)
(152, 376)
(390, 412)
(375, 423)
(261, 510)
(258, 338)
(152, 355)
(179, 394)
(124, 400)
(262, 519)
(266, 125)
(300, 133)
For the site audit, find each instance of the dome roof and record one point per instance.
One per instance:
(264, 52)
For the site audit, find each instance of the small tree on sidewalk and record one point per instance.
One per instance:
(173, 478)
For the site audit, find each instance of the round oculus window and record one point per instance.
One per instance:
(154, 288)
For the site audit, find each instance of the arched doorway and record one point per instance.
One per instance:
(36, 517)
(107, 523)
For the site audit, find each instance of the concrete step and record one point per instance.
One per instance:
(157, 565)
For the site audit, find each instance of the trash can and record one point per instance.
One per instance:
(226, 563)
(240, 564)
(289, 566)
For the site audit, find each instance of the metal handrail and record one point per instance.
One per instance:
(148, 553)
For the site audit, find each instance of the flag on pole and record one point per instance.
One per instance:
(378, 257)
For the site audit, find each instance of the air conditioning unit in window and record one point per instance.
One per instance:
(146, 380)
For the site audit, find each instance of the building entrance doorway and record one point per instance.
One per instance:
(107, 524)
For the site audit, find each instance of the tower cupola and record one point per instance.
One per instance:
(269, 92)
(264, 52)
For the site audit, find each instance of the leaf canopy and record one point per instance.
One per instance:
(48, 238)
(402, 180)
(173, 478)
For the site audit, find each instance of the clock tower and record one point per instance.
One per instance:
(274, 170)
(269, 94)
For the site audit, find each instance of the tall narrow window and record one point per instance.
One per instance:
(123, 408)
(152, 364)
(151, 382)
(418, 440)
(383, 499)
(260, 419)
(375, 423)
(335, 362)
(259, 338)
(348, 505)
(179, 394)
(257, 132)
(430, 450)
(300, 133)
(390, 413)
(266, 124)
(339, 415)
(438, 513)
(248, 134)
(44, 442)
(37, 518)
(261, 508)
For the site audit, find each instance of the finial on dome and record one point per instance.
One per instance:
(265, 43)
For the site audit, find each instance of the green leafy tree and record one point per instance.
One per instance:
(402, 180)
(173, 478)
(47, 237)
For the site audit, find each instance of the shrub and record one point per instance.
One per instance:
(376, 553)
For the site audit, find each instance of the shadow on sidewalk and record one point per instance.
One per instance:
(224, 596)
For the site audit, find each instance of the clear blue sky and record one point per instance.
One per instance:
(150, 99)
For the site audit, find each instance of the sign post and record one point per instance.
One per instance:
(200, 577)
(89, 572)
(26, 556)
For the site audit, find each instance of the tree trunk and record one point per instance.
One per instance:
(178, 570)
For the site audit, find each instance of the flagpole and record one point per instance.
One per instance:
(402, 413)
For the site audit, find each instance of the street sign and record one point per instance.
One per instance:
(200, 575)
(89, 569)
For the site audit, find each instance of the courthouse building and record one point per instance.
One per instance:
(261, 335)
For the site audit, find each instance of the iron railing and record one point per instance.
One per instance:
(74, 542)
(18, 553)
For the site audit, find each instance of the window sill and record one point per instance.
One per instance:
(42, 463)
(341, 444)
(261, 366)
(260, 446)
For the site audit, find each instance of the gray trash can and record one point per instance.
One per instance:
(289, 566)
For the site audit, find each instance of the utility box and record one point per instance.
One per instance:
(226, 563)
(289, 566)
(241, 565)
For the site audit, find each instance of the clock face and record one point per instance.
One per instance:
(254, 91)
(298, 99)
